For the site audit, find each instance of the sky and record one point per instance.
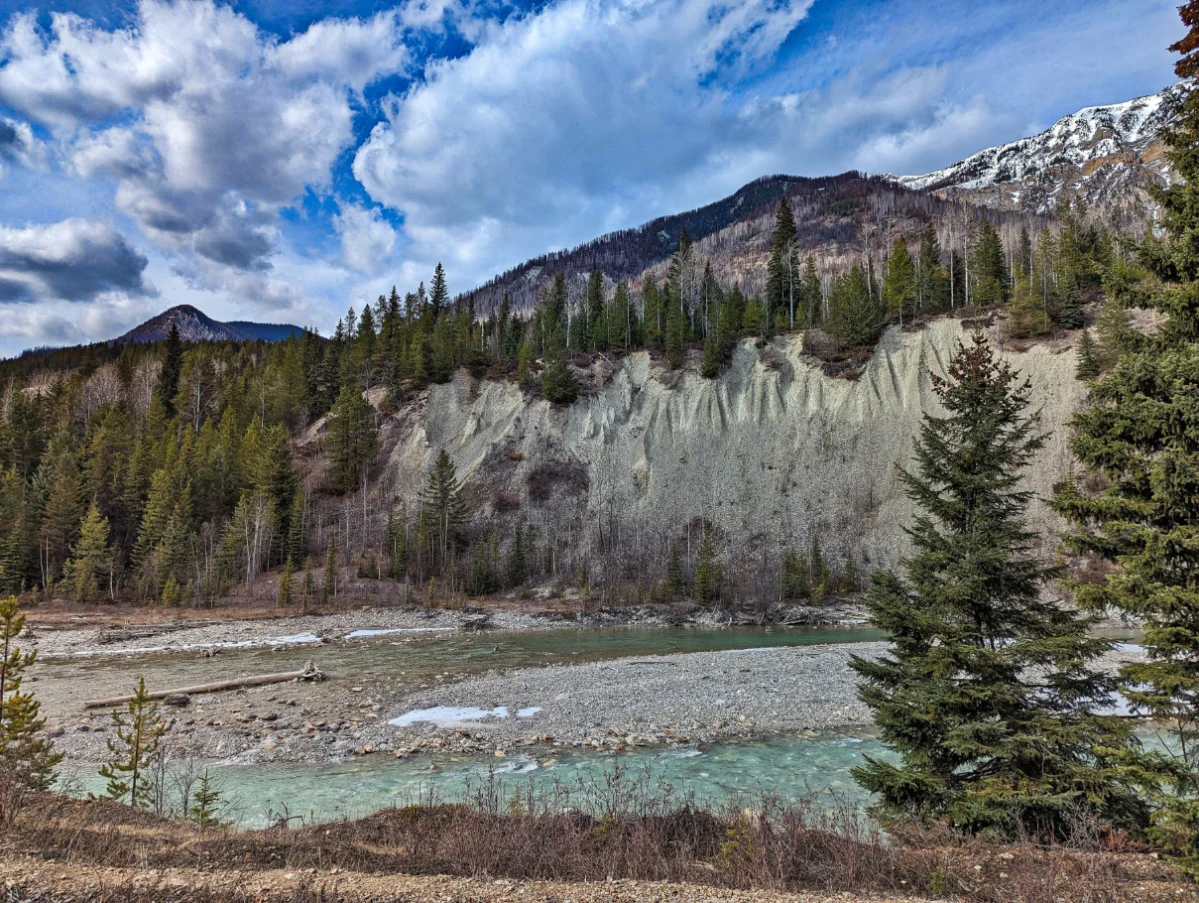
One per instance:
(284, 160)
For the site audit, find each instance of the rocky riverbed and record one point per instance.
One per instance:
(693, 698)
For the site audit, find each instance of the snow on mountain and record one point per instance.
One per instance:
(1104, 154)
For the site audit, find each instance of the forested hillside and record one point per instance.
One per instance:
(176, 471)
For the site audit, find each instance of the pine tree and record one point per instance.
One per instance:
(439, 295)
(206, 803)
(284, 596)
(352, 441)
(445, 508)
(329, 581)
(1137, 444)
(988, 268)
(88, 571)
(1087, 367)
(396, 537)
(899, 283)
(139, 731)
(989, 689)
(850, 581)
(558, 382)
(675, 327)
(782, 270)
(709, 575)
(855, 318)
(795, 578)
(26, 754)
(675, 581)
(172, 368)
(517, 567)
(523, 361)
(297, 533)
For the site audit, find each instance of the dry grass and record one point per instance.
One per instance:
(618, 832)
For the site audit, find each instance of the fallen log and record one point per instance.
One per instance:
(308, 672)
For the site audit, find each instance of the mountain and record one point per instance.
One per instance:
(196, 326)
(1106, 155)
(839, 219)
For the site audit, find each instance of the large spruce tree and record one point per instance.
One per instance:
(1137, 505)
(989, 691)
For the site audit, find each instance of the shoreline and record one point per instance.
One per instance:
(693, 698)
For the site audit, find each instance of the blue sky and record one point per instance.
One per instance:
(283, 161)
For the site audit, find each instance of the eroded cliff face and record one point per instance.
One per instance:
(772, 452)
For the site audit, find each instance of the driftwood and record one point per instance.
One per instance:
(308, 672)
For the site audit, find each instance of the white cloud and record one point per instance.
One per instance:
(218, 125)
(367, 239)
(561, 118)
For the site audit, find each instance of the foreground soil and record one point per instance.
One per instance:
(60, 850)
(27, 879)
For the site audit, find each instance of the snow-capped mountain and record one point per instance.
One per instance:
(1105, 155)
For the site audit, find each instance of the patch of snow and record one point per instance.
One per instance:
(364, 632)
(448, 716)
(528, 712)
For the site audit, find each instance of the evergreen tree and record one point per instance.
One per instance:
(396, 538)
(329, 581)
(1087, 367)
(297, 531)
(854, 316)
(283, 597)
(782, 270)
(139, 732)
(989, 690)
(26, 754)
(850, 581)
(899, 283)
(444, 507)
(988, 268)
(675, 327)
(676, 582)
(88, 571)
(558, 382)
(439, 295)
(206, 802)
(517, 566)
(709, 575)
(172, 367)
(654, 313)
(1137, 442)
(597, 332)
(523, 361)
(795, 582)
(932, 289)
(352, 442)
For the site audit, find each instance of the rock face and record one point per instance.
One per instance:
(772, 452)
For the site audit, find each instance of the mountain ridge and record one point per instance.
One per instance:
(196, 326)
(1105, 155)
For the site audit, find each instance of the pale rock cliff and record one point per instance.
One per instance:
(771, 451)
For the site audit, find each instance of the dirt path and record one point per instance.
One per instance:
(26, 878)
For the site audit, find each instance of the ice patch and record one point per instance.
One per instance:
(295, 639)
(448, 716)
(529, 712)
(363, 632)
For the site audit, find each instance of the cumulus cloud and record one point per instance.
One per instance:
(217, 125)
(367, 239)
(73, 260)
(560, 116)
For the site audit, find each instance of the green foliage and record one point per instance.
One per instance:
(709, 574)
(168, 376)
(89, 569)
(783, 287)
(1087, 367)
(989, 690)
(517, 566)
(855, 315)
(444, 509)
(796, 577)
(899, 283)
(352, 442)
(988, 267)
(206, 803)
(676, 581)
(26, 754)
(139, 731)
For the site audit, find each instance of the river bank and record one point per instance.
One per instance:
(613, 703)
